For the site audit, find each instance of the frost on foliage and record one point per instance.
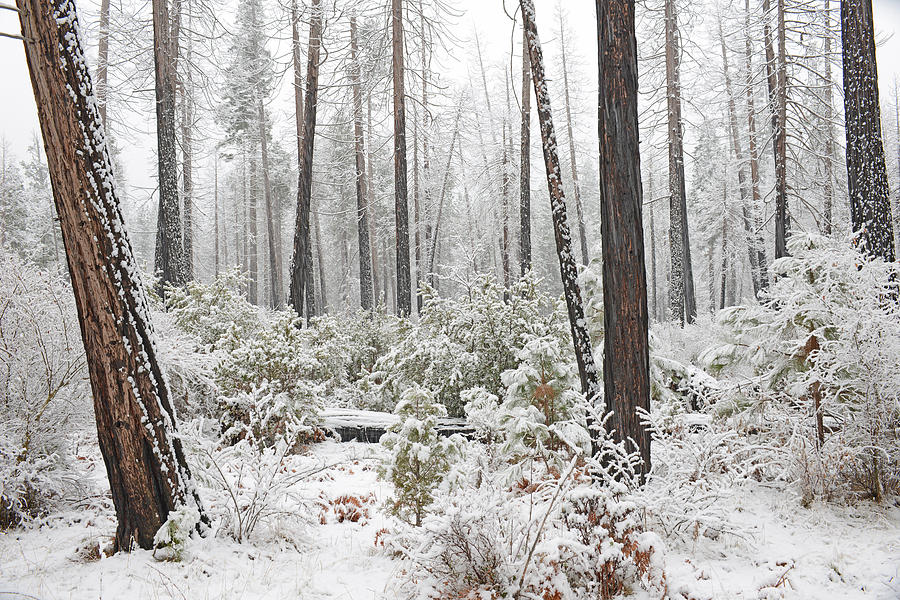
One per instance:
(265, 417)
(418, 456)
(466, 342)
(212, 311)
(830, 323)
(43, 389)
(542, 415)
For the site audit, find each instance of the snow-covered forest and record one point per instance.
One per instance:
(450, 299)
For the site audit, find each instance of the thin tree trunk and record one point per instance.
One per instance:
(776, 76)
(216, 211)
(525, 165)
(870, 204)
(187, 154)
(147, 471)
(444, 184)
(362, 217)
(275, 284)
(756, 208)
(169, 259)
(301, 267)
(504, 194)
(370, 190)
(828, 158)
(401, 209)
(651, 204)
(626, 353)
(253, 224)
(590, 385)
(681, 299)
(742, 175)
(103, 64)
(322, 304)
(579, 210)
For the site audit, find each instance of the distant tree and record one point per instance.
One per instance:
(148, 474)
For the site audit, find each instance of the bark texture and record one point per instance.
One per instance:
(362, 209)
(401, 208)
(626, 354)
(135, 423)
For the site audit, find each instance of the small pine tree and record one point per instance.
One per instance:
(419, 456)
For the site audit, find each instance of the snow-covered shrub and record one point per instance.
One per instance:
(542, 415)
(347, 346)
(275, 356)
(266, 417)
(44, 391)
(828, 335)
(210, 311)
(170, 540)
(418, 456)
(467, 341)
(601, 547)
(189, 369)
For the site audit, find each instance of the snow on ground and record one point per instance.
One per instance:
(787, 551)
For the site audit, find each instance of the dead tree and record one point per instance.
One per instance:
(169, 259)
(626, 353)
(301, 287)
(682, 300)
(568, 268)
(362, 216)
(148, 475)
(870, 204)
(401, 209)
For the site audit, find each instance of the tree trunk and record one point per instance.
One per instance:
(568, 269)
(216, 210)
(579, 210)
(272, 232)
(444, 185)
(187, 154)
(626, 354)
(322, 304)
(776, 77)
(144, 459)
(759, 241)
(301, 267)
(169, 259)
(401, 209)
(362, 218)
(742, 175)
(103, 63)
(870, 205)
(828, 117)
(681, 299)
(370, 190)
(525, 164)
(504, 194)
(253, 225)
(651, 204)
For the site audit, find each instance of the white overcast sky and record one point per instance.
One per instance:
(18, 117)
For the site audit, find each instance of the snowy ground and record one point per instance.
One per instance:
(788, 551)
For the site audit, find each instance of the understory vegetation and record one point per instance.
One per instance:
(802, 390)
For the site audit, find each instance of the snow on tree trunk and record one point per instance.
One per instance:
(870, 205)
(776, 79)
(626, 354)
(148, 475)
(567, 265)
(681, 297)
(525, 165)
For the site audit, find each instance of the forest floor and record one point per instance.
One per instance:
(781, 550)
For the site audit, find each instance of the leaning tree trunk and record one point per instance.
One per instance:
(301, 264)
(144, 460)
(525, 165)
(103, 62)
(579, 210)
(362, 218)
(626, 354)
(681, 299)
(870, 204)
(169, 259)
(444, 185)
(568, 268)
(401, 209)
